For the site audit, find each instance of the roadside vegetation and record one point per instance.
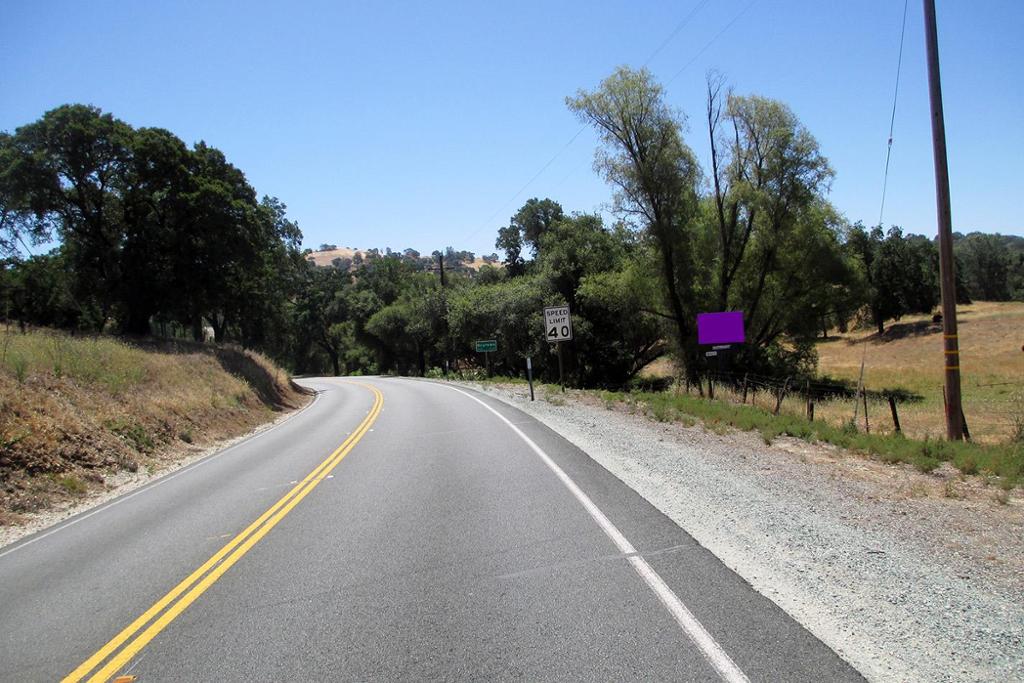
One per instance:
(156, 239)
(1003, 461)
(1003, 464)
(77, 412)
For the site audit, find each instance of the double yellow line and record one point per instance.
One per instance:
(186, 592)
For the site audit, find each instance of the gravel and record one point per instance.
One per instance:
(907, 576)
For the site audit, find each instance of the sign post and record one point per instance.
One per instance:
(719, 331)
(486, 346)
(529, 374)
(558, 329)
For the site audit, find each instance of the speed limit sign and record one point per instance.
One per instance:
(557, 324)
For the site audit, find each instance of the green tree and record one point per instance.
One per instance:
(656, 176)
(510, 240)
(25, 189)
(986, 266)
(68, 171)
(510, 312)
(38, 291)
(154, 209)
(535, 218)
(774, 240)
(323, 311)
(411, 330)
(901, 274)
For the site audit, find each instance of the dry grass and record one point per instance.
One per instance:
(73, 410)
(909, 356)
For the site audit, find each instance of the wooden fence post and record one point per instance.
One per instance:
(782, 395)
(744, 388)
(867, 426)
(895, 415)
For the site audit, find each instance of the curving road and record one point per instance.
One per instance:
(393, 530)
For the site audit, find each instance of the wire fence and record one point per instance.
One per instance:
(993, 412)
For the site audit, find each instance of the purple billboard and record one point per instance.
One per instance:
(720, 328)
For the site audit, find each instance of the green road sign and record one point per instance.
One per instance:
(487, 345)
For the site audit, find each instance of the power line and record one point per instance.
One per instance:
(679, 27)
(892, 120)
(712, 41)
(528, 182)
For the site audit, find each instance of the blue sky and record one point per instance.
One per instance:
(415, 124)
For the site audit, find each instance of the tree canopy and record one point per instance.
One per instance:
(157, 237)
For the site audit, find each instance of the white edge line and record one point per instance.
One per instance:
(694, 630)
(153, 484)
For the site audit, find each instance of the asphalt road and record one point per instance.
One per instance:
(449, 537)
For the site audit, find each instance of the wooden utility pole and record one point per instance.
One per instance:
(951, 346)
(444, 303)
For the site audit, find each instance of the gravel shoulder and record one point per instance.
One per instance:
(907, 576)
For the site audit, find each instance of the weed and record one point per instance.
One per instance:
(1002, 497)
(966, 464)
(135, 434)
(57, 354)
(20, 366)
(72, 484)
(9, 441)
(951, 490)
(1017, 435)
(186, 435)
(918, 490)
(662, 411)
(1005, 462)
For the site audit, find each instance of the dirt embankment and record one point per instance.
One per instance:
(77, 414)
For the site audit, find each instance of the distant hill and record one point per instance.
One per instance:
(347, 257)
(1012, 243)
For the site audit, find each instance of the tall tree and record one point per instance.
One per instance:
(986, 266)
(26, 189)
(71, 167)
(510, 240)
(323, 312)
(656, 176)
(154, 209)
(535, 218)
(901, 274)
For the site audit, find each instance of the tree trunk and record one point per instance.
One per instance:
(335, 362)
(676, 305)
(137, 323)
(218, 324)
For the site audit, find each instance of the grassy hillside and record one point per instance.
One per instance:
(909, 355)
(75, 412)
